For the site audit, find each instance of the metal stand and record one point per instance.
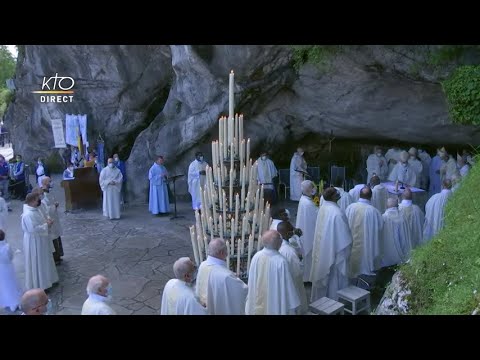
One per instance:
(175, 216)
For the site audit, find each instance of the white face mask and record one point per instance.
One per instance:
(116, 159)
(412, 157)
(264, 157)
(314, 191)
(110, 165)
(379, 154)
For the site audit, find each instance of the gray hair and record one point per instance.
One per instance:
(392, 202)
(272, 240)
(306, 185)
(216, 248)
(96, 283)
(182, 267)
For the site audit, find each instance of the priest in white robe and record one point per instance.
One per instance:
(40, 271)
(271, 289)
(331, 249)
(306, 218)
(158, 201)
(435, 211)
(3, 213)
(366, 225)
(414, 218)
(449, 166)
(379, 194)
(403, 173)
(218, 288)
(178, 296)
(298, 169)
(393, 157)
(55, 231)
(395, 236)
(462, 165)
(196, 180)
(435, 185)
(111, 185)
(294, 264)
(266, 173)
(416, 165)
(99, 290)
(426, 160)
(345, 198)
(10, 292)
(377, 164)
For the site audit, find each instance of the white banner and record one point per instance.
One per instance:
(58, 137)
(71, 128)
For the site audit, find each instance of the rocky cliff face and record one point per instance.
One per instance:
(149, 100)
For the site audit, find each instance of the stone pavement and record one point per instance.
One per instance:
(136, 253)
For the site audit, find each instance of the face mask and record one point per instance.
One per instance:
(39, 162)
(379, 154)
(109, 292)
(110, 165)
(301, 154)
(412, 157)
(264, 158)
(314, 191)
(404, 164)
(201, 158)
(116, 159)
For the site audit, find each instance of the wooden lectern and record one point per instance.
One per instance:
(83, 191)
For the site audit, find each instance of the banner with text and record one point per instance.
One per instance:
(58, 137)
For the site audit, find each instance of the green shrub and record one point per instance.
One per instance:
(318, 55)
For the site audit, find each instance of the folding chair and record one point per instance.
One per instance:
(314, 173)
(336, 172)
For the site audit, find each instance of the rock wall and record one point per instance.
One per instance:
(147, 100)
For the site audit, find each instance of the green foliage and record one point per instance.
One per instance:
(463, 94)
(7, 65)
(6, 96)
(444, 275)
(318, 55)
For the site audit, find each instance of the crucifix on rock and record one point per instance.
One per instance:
(330, 140)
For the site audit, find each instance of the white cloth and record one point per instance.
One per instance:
(10, 293)
(111, 193)
(296, 270)
(271, 289)
(417, 167)
(178, 298)
(395, 238)
(219, 289)
(355, 192)
(331, 252)
(415, 219)
(97, 305)
(379, 198)
(464, 170)
(393, 157)
(266, 171)
(3, 214)
(40, 270)
(297, 163)
(306, 218)
(55, 231)
(345, 199)
(435, 213)
(366, 224)
(404, 174)
(275, 223)
(377, 165)
(41, 174)
(448, 169)
(195, 181)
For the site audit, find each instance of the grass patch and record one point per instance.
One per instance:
(444, 274)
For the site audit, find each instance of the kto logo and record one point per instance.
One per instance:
(59, 85)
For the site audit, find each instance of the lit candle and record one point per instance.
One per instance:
(200, 247)
(247, 206)
(210, 226)
(240, 128)
(260, 229)
(250, 248)
(238, 258)
(243, 231)
(247, 158)
(228, 255)
(220, 130)
(231, 190)
(257, 200)
(224, 139)
(220, 225)
(235, 134)
(224, 212)
(254, 225)
(232, 233)
(262, 204)
(231, 104)
(237, 211)
(243, 185)
(194, 244)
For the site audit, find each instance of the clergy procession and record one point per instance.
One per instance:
(251, 254)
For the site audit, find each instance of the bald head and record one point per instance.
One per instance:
(285, 229)
(447, 184)
(407, 194)
(392, 203)
(98, 285)
(366, 193)
(272, 240)
(183, 269)
(218, 249)
(34, 302)
(374, 181)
